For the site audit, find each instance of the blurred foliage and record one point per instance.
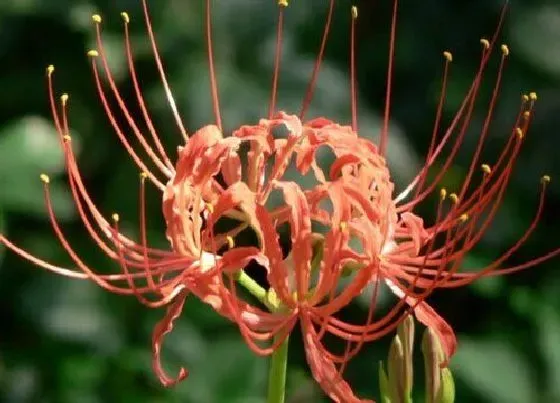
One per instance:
(67, 341)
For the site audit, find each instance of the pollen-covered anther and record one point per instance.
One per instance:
(115, 217)
(96, 18)
(93, 53)
(50, 69)
(442, 194)
(125, 17)
(67, 138)
(545, 179)
(485, 43)
(464, 217)
(354, 11)
(64, 98)
(210, 208)
(505, 50)
(343, 226)
(45, 178)
(230, 242)
(519, 133)
(486, 169)
(525, 98)
(454, 198)
(283, 3)
(526, 114)
(143, 176)
(448, 56)
(533, 96)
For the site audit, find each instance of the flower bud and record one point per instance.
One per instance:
(440, 387)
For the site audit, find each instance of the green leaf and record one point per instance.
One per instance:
(30, 144)
(29, 147)
(549, 329)
(240, 377)
(479, 362)
(538, 25)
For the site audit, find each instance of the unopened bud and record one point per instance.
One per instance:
(433, 357)
(396, 369)
(405, 332)
(446, 393)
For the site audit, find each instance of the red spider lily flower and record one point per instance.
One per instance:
(347, 231)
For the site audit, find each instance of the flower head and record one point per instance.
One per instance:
(347, 229)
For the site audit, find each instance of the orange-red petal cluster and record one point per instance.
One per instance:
(319, 242)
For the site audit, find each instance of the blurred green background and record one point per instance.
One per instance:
(69, 341)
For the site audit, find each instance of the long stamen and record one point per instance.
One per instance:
(143, 235)
(465, 112)
(93, 55)
(487, 121)
(353, 96)
(64, 242)
(52, 103)
(86, 273)
(385, 130)
(161, 71)
(74, 178)
(137, 291)
(311, 85)
(424, 172)
(120, 101)
(282, 4)
(79, 192)
(213, 83)
(487, 47)
(139, 97)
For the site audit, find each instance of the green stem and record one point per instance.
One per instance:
(267, 298)
(279, 359)
(251, 285)
(277, 374)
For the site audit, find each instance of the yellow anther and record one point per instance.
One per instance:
(125, 17)
(210, 208)
(96, 18)
(443, 193)
(230, 242)
(485, 43)
(93, 53)
(545, 179)
(454, 198)
(143, 176)
(505, 50)
(283, 3)
(45, 178)
(64, 99)
(354, 11)
(519, 133)
(486, 168)
(115, 217)
(50, 69)
(526, 114)
(464, 217)
(67, 138)
(533, 96)
(525, 98)
(448, 56)
(343, 226)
